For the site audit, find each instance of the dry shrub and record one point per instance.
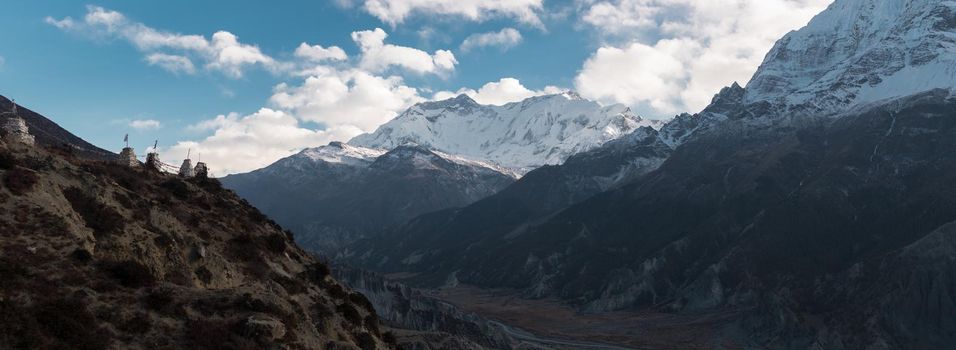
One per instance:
(248, 302)
(371, 323)
(203, 274)
(81, 255)
(162, 300)
(247, 248)
(350, 313)
(63, 150)
(336, 291)
(276, 243)
(129, 273)
(103, 220)
(138, 323)
(321, 311)
(316, 273)
(18, 328)
(216, 335)
(209, 184)
(20, 181)
(7, 161)
(244, 248)
(45, 222)
(365, 341)
(177, 187)
(389, 338)
(123, 200)
(13, 274)
(360, 300)
(292, 286)
(70, 323)
(124, 176)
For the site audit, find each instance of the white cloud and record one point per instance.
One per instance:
(167, 50)
(230, 56)
(351, 98)
(712, 43)
(317, 53)
(622, 16)
(343, 104)
(653, 76)
(500, 92)
(244, 143)
(397, 11)
(65, 23)
(342, 97)
(145, 124)
(504, 39)
(377, 56)
(172, 63)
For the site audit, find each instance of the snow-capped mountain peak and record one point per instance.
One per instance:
(861, 51)
(520, 135)
(342, 153)
(462, 101)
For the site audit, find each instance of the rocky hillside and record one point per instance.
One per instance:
(99, 256)
(333, 195)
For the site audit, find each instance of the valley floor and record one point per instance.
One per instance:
(552, 323)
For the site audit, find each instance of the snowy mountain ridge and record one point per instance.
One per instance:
(858, 52)
(343, 154)
(520, 135)
(338, 152)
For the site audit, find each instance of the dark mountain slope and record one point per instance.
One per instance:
(336, 194)
(49, 133)
(536, 195)
(94, 255)
(811, 224)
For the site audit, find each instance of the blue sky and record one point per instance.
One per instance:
(88, 67)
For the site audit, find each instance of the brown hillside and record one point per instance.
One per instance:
(100, 256)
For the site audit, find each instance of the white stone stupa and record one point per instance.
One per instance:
(15, 129)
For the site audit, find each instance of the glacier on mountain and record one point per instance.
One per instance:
(860, 51)
(521, 135)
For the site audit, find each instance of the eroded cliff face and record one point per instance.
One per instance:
(425, 322)
(96, 255)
